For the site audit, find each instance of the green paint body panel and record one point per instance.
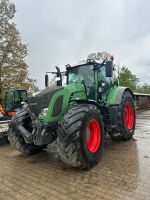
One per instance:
(69, 93)
(115, 94)
(75, 92)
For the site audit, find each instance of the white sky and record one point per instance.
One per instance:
(59, 32)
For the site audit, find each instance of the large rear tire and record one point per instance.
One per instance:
(126, 119)
(81, 136)
(16, 140)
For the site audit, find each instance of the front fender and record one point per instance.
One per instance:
(114, 96)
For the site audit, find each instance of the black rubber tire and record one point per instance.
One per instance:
(71, 140)
(123, 133)
(16, 140)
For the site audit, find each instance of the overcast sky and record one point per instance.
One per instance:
(59, 32)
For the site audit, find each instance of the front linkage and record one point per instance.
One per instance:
(29, 130)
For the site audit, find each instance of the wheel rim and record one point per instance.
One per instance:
(129, 115)
(93, 136)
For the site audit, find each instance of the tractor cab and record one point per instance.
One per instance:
(95, 74)
(13, 101)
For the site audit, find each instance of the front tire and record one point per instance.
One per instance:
(16, 140)
(126, 126)
(81, 136)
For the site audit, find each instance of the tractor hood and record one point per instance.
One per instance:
(41, 100)
(50, 104)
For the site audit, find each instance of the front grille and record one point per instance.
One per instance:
(42, 100)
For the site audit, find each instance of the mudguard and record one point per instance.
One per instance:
(114, 96)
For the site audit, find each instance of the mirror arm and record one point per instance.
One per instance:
(59, 83)
(58, 74)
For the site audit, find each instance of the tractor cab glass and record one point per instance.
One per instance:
(23, 96)
(83, 74)
(105, 73)
(13, 100)
(104, 80)
(9, 101)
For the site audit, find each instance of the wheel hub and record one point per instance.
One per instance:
(93, 136)
(129, 115)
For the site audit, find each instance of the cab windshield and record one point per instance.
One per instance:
(82, 73)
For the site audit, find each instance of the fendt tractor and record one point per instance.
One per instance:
(76, 115)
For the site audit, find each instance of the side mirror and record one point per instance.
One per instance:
(59, 77)
(109, 68)
(57, 81)
(46, 80)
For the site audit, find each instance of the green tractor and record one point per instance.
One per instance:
(77, 115)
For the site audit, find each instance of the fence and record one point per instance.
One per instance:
(142, 101)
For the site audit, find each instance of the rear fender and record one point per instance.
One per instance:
(115, 95)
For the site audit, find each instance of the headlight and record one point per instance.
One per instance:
(43, 113)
